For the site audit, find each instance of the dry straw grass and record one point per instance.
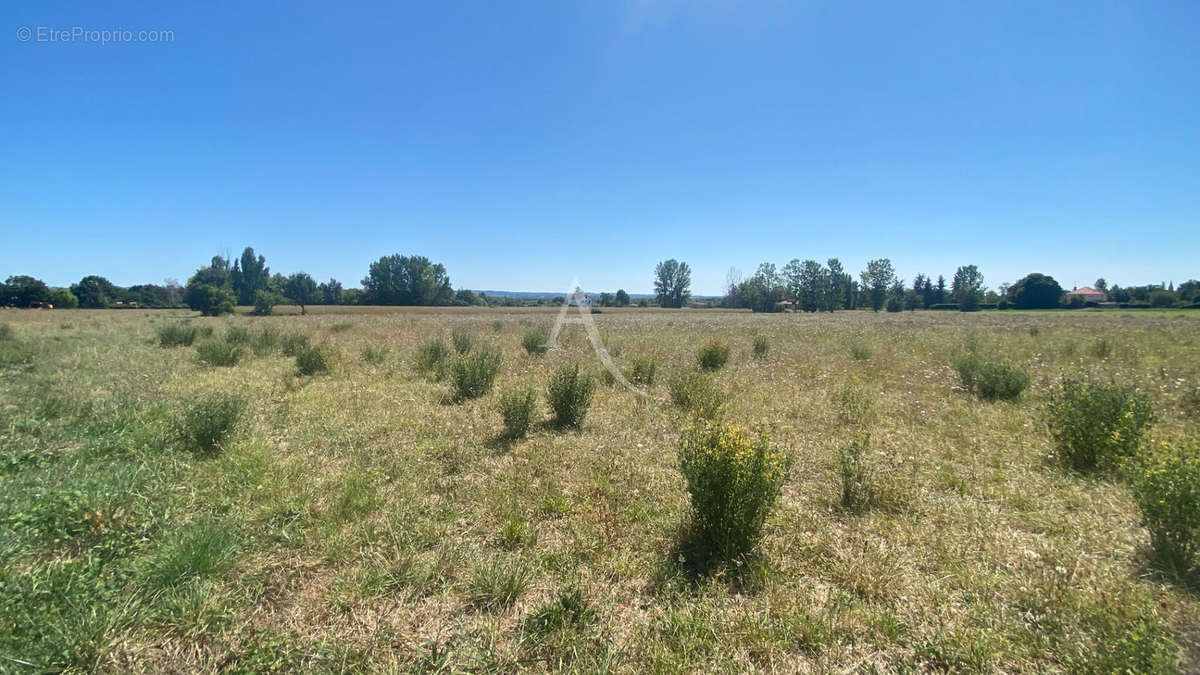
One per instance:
(380, 527)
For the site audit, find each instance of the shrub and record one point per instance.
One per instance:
(209, 421)
(894, 304)
(1096, 425)
(713, 354)
(265, 301)
(733, 481)
(264, 341)
(1166, 487)
(694, 392)
(374, 355)
(293, 343)
(462, 340)
(517, 409)
(570, 394)
(761, 347)
(6, 332)
(991, 381)
(179, 334)
(218, 353)
(314, 360)
(431, 358)
(853, 403)
(473, 374)
(643, 371)
(857, 476)
(237, 335)
(535, 340)
(860, 352)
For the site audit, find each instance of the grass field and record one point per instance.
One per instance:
(360, 519)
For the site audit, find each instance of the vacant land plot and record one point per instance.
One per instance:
(308, 493)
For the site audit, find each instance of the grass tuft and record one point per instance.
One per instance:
(218, 353)
(570, 394)
(713, 354)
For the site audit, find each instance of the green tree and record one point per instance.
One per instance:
(24, 291)
(94, 292)
(672, 283)
(330, 292)
(209, 300)
(1035, 291)
(301, 289)
(407, 280)
(841, 286)
(248, 276)
(814, 286)
(63, 298)
(876, 280)
(622, 298)
(967, 288)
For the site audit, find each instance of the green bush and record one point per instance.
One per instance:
(473, 374)
(180, 334)
(695, 392)
(857, 476)
(209, 421)
(265, 341)
(293, 343)
(991, 381)
(463, 341)
(535, 340)
(854, 403)
(374, 355)
(314, 360)
(713, 354)
(218, 353)
(570, 394)
(733, 481)
(894, 304)
(265, 301)
(431, 358)
(1096, 425)
(643, 371)
(237, 335)
(1166, 487)
(761, 347)
(518, 408)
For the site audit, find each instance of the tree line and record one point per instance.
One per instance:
(802, 285)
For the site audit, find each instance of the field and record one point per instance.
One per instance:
(360, 519)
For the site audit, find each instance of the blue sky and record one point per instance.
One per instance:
(524, 144)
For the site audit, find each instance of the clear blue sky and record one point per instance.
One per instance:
(522, 144)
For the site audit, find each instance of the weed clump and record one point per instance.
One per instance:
(1102, 348)
(536, 340)
(497, 585)
(374, 355)
(760, 348)
(1096, 425)
(991, 381)
(237, 335)
(431, 358)
(713, 354)
(1166, 487)
(860, 351)
(568, 610)
(643, 371)
(517, 409)
(856, 474)
(733, 480)
(293, 343)
(218, 353)
(473, 374)
(265, 341)
(854, 403)
(570, 394)
(209, 421)
(180, 334)
(314, 360)
(695, 393)
(200, 549)
(463, 341)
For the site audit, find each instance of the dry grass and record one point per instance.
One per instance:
(382, 528)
